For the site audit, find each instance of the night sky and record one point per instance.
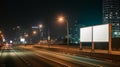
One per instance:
(28, 13)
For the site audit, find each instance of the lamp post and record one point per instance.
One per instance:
(48, 32)
(62, 19)
(41, 26)
(32, 39)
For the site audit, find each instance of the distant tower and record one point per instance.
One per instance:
(75, 32)
(111, 14)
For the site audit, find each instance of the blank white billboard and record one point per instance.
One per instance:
(101, 33)
(86, 34)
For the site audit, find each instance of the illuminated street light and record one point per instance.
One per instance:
(34, 32)
(40, 26)
(62, 19)
(11, 41)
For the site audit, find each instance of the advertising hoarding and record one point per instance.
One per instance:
(86, 34)
(101, 33)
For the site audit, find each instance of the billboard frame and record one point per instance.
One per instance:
(109, 39)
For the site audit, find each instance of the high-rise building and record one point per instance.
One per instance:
(75, 32)
(111, 14)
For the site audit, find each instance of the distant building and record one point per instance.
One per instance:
(75, 32)
(111, 14)
(41, 34)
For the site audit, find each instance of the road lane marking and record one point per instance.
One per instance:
(58, 55)
(54, 60)
(25, 61)
(83, 60)
(89, 63)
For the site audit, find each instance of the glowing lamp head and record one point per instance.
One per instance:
(34, 32)
(61, 19)
(40, 26)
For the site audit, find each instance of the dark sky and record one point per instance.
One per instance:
(32, 12)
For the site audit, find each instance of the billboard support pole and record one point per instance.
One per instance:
(110, 39)
(80, 45)
(93, 46)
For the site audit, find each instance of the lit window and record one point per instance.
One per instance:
(110, 17)
(118, 17)
(106, 17)
(111, 6)
(119, 33)
(76, 42)
(115, 33)
(111, 13)
(118, 24)
(113, 24)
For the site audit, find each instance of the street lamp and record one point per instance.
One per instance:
(34, 32)
(41, 32)
(40, 26)
(62, 19)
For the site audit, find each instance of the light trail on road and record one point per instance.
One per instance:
(35, 57)
(75, 59)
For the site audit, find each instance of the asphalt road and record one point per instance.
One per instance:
(35, 57)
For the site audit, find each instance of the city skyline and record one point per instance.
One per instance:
(59, 33)
(29, 13)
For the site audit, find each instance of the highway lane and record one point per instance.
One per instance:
(35, 57)
(16, 58)
(60, 49)
(8, 59)
(73, 61)
(36, 60)
(55, 62)
(55, 59)
(93, 61)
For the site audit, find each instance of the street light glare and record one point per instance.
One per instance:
(61, 19)
(40, 26)
(34, 32)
